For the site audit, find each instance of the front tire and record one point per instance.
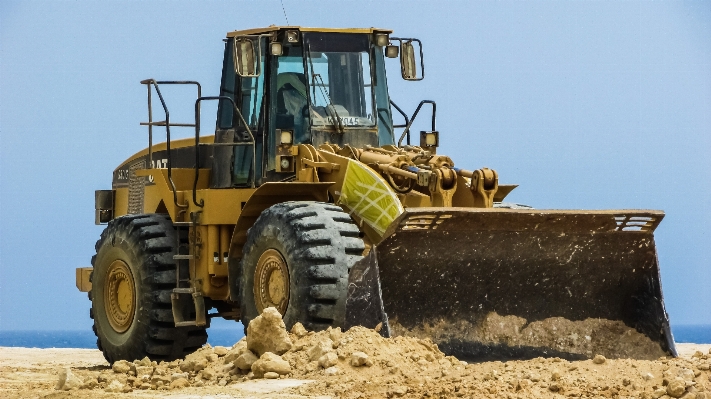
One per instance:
(133, 277)
(296, 258)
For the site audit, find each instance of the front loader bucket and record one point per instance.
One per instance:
(515, 284)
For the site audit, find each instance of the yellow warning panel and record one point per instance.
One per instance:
(369, 197)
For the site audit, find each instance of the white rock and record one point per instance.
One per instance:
(67, 380)
(270, 362)
(267, 333)
(359, 359)
(121, 367)
(319, 349)
(246, 360)
(115, 386)
(328, 360)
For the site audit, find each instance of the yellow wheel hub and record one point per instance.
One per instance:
(271, 282)
(119, 296)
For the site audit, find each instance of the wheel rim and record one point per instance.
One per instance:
(119, 296)
(271, 282)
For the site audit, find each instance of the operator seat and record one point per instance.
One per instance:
(291, 104)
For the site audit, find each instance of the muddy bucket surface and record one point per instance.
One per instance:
(514, 284)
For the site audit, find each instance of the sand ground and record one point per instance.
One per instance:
(33, 373)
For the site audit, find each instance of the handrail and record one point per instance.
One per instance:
(197, 143)
(404, 115)
(167, 124)
(407, 128)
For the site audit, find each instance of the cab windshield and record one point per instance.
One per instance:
(340, 84)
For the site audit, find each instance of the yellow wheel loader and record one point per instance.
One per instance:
(306, 199)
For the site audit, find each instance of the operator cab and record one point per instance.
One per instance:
(296, 85)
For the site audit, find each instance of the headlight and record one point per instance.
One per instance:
(287, 137)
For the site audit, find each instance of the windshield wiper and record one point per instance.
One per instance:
(330, 109)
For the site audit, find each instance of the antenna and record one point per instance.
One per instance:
(283, 9)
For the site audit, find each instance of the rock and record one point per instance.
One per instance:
(335, 334)
(523, 384)
(697, 354)
(358, 359)
(177, 376)
(246, 360)
(555, 375)
(199, 365)
(207, 374)
(179, 383)
(331, 371)
(222, 382)
(221, 351)
(115, 387)
(599, 359)
(676, 388)
(144, 372)
(647, 376)
(121, 367)
(270, 362)
(236, 351)
(267, 333)
(270, 375)
(396, 391)
(686, 374)
(227, 368)
(554, 387)
(532, 376)
(212, 357)
(160, 380)
(187, 366)
(299, 330)
(67, 380)
(328, 360)
(146, 362)
(658, 393)
(319, 349)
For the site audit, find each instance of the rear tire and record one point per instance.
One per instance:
(133, 277)
(299, 254)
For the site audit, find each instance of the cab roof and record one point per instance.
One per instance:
(274, 28)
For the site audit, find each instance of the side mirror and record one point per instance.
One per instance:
(245, 58)
(408, 58)
(407, 61)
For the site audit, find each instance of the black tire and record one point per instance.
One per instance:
(319, 243)
(145, 244)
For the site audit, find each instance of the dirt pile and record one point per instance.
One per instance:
(588, 337)
(361, 363)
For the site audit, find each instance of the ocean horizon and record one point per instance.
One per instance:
(224, 336)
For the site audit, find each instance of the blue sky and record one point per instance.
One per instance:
(585, 104)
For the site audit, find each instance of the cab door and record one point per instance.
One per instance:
(233, 166)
